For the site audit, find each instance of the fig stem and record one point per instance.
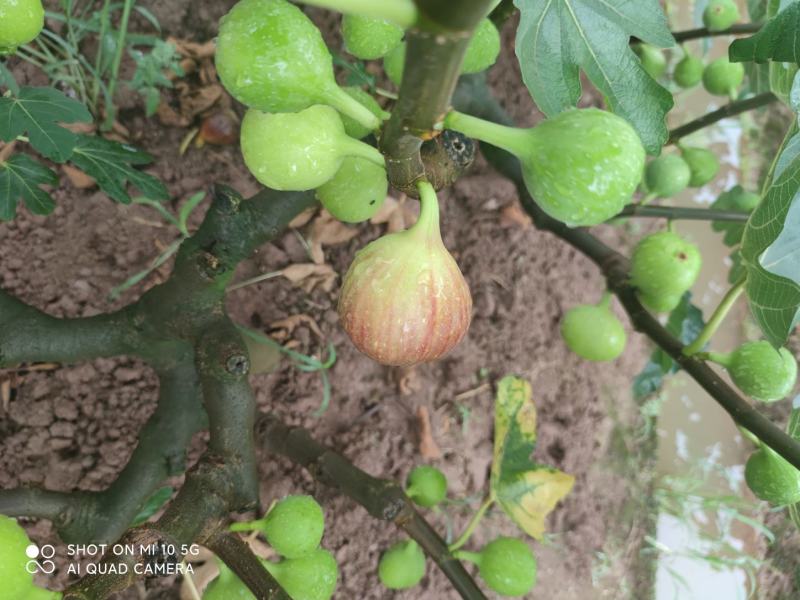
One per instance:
(428, 221)
(246, 526)
(605, 301)
(750, 436)
(473, 557)
(513, 140)
(472, 525)
(719, 358)
(400, 12)
(714, 323)
(349, 106)
(362, 150)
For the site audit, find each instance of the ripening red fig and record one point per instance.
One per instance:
(404, 300)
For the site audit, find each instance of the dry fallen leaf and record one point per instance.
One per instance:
(428, 448)
(193, 49)
(327, 231)
(78, 178)
(310, 275)
(291, 323)
(303, 218)
(512, 215)
(398, 215)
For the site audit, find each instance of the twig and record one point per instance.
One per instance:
(678, 212)
(729, 110)
(381, 498)
(693, 34)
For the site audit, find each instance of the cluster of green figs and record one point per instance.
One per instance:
(294, 528)
(404, 300)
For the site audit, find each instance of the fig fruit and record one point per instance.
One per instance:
(393, 64)
(299, 151)
(356, 192)
(689, 71)
(663, 267)
(294, 527)
(653, 60)
(352, 127)
(506, 564)
(594, 332)
(310, 577)
(271, 57)
(402, 566)
(737, 199)
(369, 38)
(666, 176)
(483, 49)
(581, 166)
(20, 23)
(16, 582)
(403, 300)
(723, 78)
(482, 52)
(772, 478)
(703, 165)
(759, 370)
(426, 486)
(719, 15)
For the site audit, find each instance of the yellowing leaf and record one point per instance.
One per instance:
(527, 492)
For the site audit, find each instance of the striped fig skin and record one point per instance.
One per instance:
(404, 300)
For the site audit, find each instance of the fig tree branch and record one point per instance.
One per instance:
(729, 110)
(702, 32)
(241, 560)
(474, 97)
(679, 213)
(435, 48)
(383, 499)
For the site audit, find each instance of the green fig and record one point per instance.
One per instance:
(703, 165)
(689, 71)
(369, 38)
(667, 176)
(293, 527)
(653, 60)
(723, 78)
(299, 151)
(594, 332)
(310, 577)
(393, 64)
(426, 486)
(20, 23)
(759, 370)
(402, 566)
(581, 166)
(352, 127)
(483, 49)
(720, 15)
(271, 57)
(356, 192)
(404, 300)
(735, 199)
(663, 267)
(16, 550)
(772, 478)
(506, 564)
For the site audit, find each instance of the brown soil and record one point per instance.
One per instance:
(74, 426)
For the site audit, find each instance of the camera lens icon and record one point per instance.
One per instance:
(35, 553)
